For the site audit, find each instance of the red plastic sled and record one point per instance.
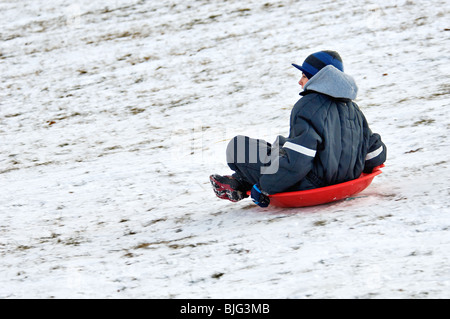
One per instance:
(326, 194)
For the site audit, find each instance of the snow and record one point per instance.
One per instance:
(113, 115)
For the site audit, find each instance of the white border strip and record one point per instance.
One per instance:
(374, 153)
(301, 149)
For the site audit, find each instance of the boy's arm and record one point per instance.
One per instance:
(294, 162)
(376, 154)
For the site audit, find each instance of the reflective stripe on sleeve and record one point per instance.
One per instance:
(374, 154)
(300, 149)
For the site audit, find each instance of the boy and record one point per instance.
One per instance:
(329, 142)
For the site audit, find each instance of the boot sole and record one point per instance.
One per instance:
(225, 191)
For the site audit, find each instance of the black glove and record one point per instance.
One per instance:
(258, 197)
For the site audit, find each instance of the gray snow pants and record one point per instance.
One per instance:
(248, 157)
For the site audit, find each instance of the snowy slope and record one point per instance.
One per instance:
(113, 115)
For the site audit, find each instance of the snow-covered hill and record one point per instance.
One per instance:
(113, 115)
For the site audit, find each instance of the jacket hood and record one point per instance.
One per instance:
(332, 82)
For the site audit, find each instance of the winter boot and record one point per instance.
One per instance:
(228, 187)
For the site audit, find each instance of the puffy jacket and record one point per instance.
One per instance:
(330, 140)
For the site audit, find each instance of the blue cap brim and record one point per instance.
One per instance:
(298, 67)
(308, 71)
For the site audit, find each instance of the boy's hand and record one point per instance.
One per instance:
(258, 197)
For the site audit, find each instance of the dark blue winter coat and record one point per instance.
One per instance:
(329, 141)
